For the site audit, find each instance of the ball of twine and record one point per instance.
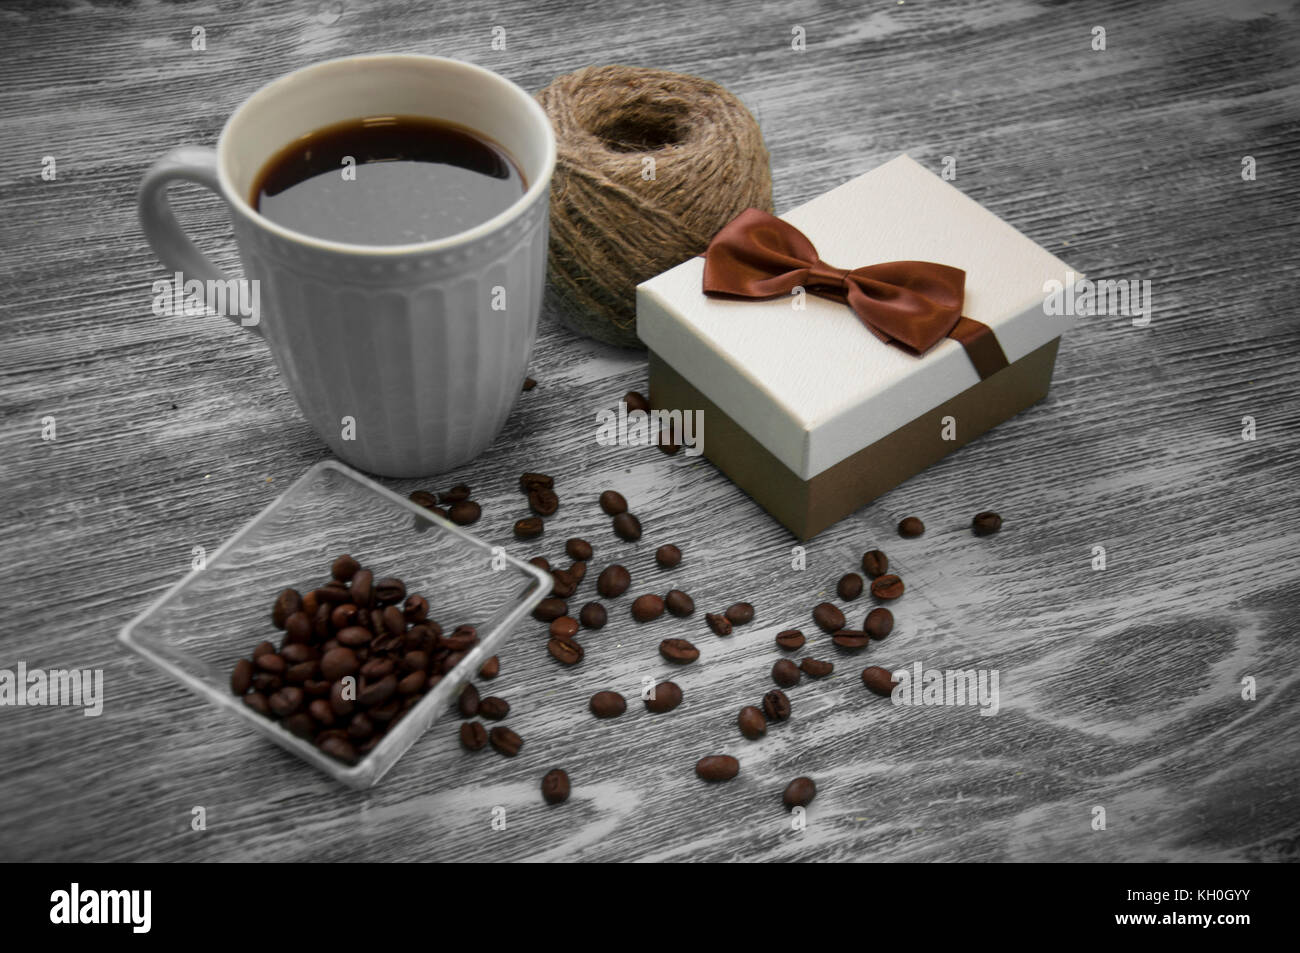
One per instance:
(617, 218)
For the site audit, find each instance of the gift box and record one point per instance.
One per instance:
(833, 360)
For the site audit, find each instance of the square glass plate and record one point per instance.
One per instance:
(215, 616)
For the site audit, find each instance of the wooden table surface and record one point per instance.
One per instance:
(1120, 689)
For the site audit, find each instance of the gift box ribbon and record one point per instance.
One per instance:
(911, 304)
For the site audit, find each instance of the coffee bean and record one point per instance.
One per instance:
(300, 724)
(828, 617)
(887, 587)
(879, 623)
(671, 449)
(647, 608)
(286, 701)
(286, 604)
(549, 609)
(910, 527)
(565, 651)
(529, 383)
(563, 584)
(578, 549)
(362, 587)
(535, 481)
(543, 501)
(343, 616)
(593, 616)
(467, 702)
(785, 673)
(627, 527)
(422, 498)
(266, 683)
(636, 401)
(389, 591)
(342, 707)
(360, 727)
(849, 587)
(310, 603)
(607, 704)
(799, 793)
(258, 703)
(339, 747)
(299, 627)
(613, 581)
(776, 706)
(529, 528)
(875, 563)
(565, 627)
(816, 668)
(412, 683)
(986, 523)
(241, 679)
(578, 570)
(320, 710)
(376, 693)
(473, 735)
(740, 613)
(457, 494)
(790, 639)
(344, 568)
(851, 639)
(555, 786)
(666, 697)
(354, 636)
(719, 623)
(416, 609)
(541, 562)
(464, 512)
(613, 503)
(679, 651)
(376, 668)
(752, 723)
(394, 620)
(493, 707)
(464, 637)
(878, 680)
(679, 603)
(668, 556)
(505, 741)
(270, 663)
(717, 767)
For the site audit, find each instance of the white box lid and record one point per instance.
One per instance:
(815, 386)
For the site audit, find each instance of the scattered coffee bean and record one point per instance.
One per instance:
(420, 498)
(740, 613)
(851, 639)
(752, 723)
(464, 513)
(493, 708)
(636, 401)
(719, 623)
(613, 581)
(541, 562)
(565, 651)
(816, 668)
(627, 527)
(668, 556)
(717, 767)
(879, 623)
(555, 786)
(878, 680)
(647, 608)
(785, 673)
(887, 587)
(679, 603)
(505, 741)
(529, 383)
(550, 609)
(607, 704)
(565, 627)
(776, 706)
(578, 549)
(529, 527)
(563, 584)
(593, 616)
(665, 697)
(473, 735)
(875, 563)
(241, 679)
(910, 527)
(790, 639)
(457, 494)
(799, 793)
(491, 668)
(535, 481)
(986, 523)
(543, 501)
(415, 610)
(849, 587)
(613, 503)
(344, 568)
(578, 571)
(828, 617)
(679, 651)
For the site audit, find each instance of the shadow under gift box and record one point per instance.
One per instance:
(804, 408)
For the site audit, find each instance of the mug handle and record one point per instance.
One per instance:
(197, 164)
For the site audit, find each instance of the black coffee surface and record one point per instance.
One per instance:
(414, 180)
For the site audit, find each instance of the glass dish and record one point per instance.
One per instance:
(214, 616)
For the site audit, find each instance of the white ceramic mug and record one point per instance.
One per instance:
(406, 359)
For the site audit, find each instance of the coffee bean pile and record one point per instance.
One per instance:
(454, 505)
(357, 654)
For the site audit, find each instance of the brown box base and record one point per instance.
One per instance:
(806, 507)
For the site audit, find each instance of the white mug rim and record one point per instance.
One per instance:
(540, 184)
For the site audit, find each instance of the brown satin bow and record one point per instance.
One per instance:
(914, 304)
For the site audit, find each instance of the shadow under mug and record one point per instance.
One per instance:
(406, 359)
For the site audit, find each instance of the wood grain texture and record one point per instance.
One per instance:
(1120, 688)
